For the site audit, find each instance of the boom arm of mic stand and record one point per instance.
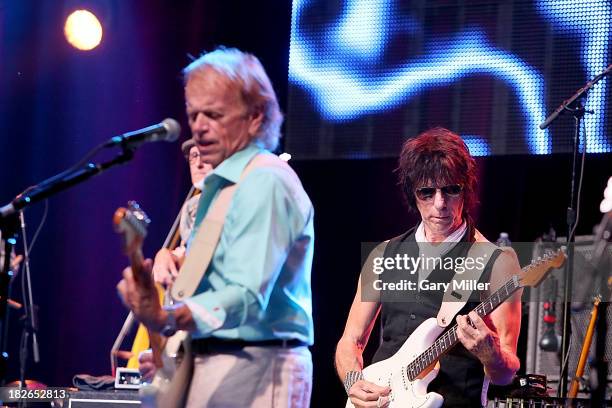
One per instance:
(9, 224)
(46, 189)
(565, 105)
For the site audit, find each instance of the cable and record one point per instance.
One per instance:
(572, 232)
(566, 360)
(40, 225)
(579, 195)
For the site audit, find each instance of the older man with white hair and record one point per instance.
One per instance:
(251, 315)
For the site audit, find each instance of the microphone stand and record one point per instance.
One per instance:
(30, 318)
(575, 106)
(10, 224)
(9, 227)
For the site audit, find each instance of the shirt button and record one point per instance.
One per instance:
(412, 316)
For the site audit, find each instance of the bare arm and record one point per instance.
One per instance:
(494, 339)
(349, 353)
(359, 324)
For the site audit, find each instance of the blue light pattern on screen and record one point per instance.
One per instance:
(344, 86)
(477, 145)
(590, 20)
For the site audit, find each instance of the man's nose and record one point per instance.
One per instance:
(200, 124)
(439, 199)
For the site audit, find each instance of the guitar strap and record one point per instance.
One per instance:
(205, 241)
(454, 299)
(193, 269)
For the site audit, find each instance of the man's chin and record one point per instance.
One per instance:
(446, 221)
(212, 159)
(441, 225)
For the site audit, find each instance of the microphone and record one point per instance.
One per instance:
(167, 131)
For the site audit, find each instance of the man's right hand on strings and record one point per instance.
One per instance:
(165, 266)
(366, 394)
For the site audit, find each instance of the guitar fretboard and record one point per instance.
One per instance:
(449, 338)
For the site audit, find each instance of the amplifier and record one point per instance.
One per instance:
(548, 363)
(103, 399)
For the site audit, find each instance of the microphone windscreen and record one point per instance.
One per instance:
(173, 129)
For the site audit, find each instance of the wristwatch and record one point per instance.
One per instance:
(170, 327)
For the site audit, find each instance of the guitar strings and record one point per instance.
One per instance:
(427, 357)
(416, 367)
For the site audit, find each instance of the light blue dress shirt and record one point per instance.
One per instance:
(257, 286)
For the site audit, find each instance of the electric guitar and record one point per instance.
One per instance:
(169, 386)
(409, 371)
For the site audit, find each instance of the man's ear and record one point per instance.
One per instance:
(256, 120)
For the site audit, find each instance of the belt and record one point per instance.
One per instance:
(213, 344)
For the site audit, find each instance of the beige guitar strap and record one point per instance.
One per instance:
(193, 269)
(203, 246)
(455, 299)
(208, 235)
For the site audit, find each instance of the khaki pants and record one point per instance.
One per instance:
(257, 377)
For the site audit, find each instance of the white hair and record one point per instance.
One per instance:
(246, 72)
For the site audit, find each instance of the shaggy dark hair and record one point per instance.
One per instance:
(437, 157)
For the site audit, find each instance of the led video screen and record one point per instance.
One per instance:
(364, 75)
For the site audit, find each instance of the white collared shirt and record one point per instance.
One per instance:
(439, 249)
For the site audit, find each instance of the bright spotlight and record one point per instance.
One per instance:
(83, 30)
(284, 156)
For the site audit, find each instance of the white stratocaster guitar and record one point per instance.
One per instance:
(169, 387)
(409, 371)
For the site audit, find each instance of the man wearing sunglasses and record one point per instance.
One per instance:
(438, 178)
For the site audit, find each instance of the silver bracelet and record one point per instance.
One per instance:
(351, 378)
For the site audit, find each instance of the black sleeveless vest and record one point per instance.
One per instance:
(461, 375)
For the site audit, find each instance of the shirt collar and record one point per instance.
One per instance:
(231, 168)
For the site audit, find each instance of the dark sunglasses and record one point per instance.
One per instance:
(427, 193)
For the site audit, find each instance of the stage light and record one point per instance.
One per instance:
(83, 30)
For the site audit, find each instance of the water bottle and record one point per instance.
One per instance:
(503, 240)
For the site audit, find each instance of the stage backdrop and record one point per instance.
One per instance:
(56, 103)
(366, 74)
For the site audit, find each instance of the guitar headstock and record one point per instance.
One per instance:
(535, 273)
(132, 223)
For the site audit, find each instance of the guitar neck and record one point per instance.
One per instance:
(136, 260)
(449, 338)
